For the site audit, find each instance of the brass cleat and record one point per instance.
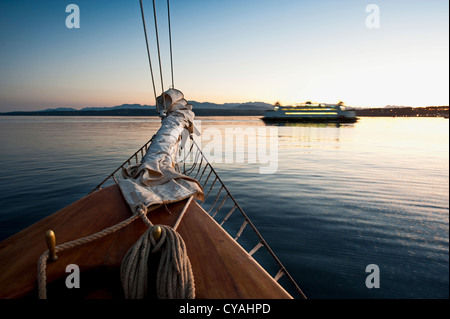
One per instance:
(51, 244)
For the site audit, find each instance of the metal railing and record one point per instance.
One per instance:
(221, 205)
(136, 158)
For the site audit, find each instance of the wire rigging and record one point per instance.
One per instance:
(159, 53)
(170, 43)
(157, 44)
(148, 53)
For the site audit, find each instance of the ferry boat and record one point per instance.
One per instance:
(311, 112)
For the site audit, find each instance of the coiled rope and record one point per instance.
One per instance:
(174, 278)
(174, 269)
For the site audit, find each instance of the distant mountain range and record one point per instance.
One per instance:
(196, 105)
(227, 109)
(200, 108)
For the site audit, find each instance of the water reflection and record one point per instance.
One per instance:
(339, 200)
(309, 124)
(228, 121)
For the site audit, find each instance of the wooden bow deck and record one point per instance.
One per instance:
(221, 267)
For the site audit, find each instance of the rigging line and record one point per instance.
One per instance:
(159, 54)
(170, 43)
(148, 54)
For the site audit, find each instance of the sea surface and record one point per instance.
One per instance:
(329, 199)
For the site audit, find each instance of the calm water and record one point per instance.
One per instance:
(341, 198)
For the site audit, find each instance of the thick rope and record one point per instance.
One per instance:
(174, 279)
(140, 211)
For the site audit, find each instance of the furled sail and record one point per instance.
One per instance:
(155, 180)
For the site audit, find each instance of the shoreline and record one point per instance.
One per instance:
(430, 111)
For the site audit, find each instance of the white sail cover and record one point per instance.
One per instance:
(154, 180)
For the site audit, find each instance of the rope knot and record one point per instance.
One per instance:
(142, 210)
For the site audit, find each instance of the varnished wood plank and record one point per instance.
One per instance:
(19, 254)
(222, 269)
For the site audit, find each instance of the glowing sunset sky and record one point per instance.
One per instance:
(225, 51)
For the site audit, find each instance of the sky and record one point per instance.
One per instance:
(228, 51)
